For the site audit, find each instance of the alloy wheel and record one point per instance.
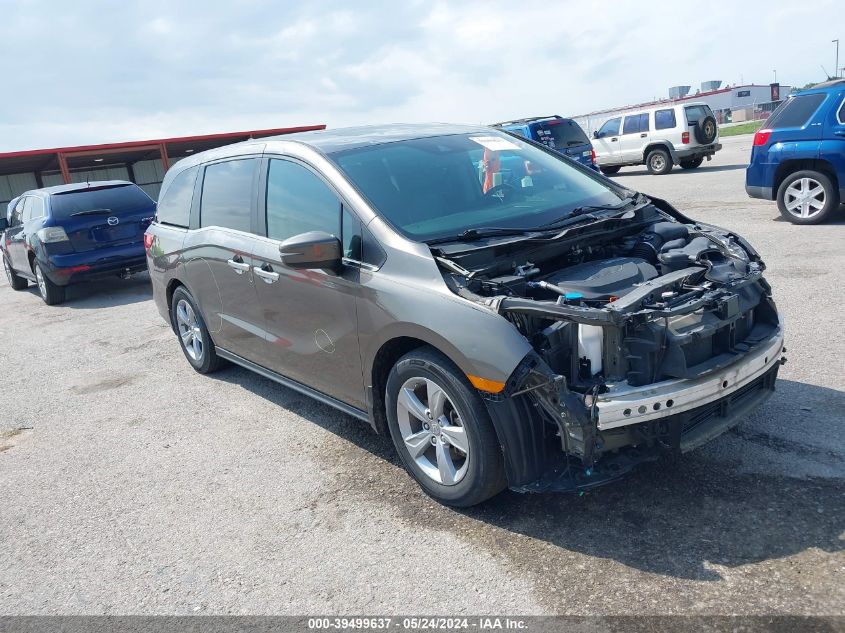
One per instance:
(189, 330)
(805, 198)
(42, 285)
(432, 430)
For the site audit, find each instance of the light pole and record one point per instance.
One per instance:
(836, 66)
(776, 75)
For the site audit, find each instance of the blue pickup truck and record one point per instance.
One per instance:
(798, 157)
(562, 135)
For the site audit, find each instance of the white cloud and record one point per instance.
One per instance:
(164, 68)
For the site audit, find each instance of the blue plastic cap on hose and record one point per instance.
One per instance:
(573, 296)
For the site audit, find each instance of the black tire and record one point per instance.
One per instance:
(610, 169)
(50, 292)
(207, 360)
(658, 162)
(15, 281)
(484, 476)
(829, 191)
(706, 130)
(691, 164)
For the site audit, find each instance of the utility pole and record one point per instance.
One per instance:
(836, 66)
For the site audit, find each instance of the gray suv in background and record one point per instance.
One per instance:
(510, 318)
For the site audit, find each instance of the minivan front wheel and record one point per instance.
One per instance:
(659, 162)
(194, 338)
(807, 197)
(50, 292)
(442, 430)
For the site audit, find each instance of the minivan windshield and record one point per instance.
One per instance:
(438, 187)
(117, 200)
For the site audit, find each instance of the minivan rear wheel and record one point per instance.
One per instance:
(194, 338)
(659, 162)
(50, 292)
(807, 197)
(442, 430)
(15, 281)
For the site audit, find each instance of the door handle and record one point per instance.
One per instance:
(840, 132)
(643, 135)
(266, 273)
(613, 140)
(240, 267)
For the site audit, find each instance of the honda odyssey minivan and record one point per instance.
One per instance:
(509, 317)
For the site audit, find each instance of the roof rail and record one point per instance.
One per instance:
(831, 82)
(526, 120)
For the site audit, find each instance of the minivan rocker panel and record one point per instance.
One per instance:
(380, 271)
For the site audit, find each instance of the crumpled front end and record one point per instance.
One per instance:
(644, 344)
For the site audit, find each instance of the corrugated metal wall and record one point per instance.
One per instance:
(148, 176)
(14, 185)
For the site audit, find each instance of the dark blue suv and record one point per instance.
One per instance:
(798, 158)
(61, 235)
(562, 135)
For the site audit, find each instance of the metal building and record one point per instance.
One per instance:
(142, 162)
(729, 104)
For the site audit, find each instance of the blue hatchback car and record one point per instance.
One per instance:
(562, 135)
(67, 234)
(798, 158)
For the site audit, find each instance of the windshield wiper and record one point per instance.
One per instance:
(91, 212)
(588, 210)
(481, 232)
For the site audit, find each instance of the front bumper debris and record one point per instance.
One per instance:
(622, 405)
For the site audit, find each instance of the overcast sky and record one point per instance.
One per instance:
(89, 72)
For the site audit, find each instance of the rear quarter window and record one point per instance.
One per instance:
(174, 204)
(664, 119)
(796, 111)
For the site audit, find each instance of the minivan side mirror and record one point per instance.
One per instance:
(4, 224)
(595, 134)
(315, 249)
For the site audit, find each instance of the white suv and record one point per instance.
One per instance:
(659, 137)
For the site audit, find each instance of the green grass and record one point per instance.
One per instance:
(743, 128)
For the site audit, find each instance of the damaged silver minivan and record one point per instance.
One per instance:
(509, 317)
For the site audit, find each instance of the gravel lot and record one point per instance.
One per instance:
(139, 486)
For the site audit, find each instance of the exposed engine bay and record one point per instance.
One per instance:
(619, 304)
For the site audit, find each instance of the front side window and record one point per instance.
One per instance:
(226, 199)
(632, 124)
(17, 213)
(298, 201)
(437, 187)
(610, 128)
(664, 119)
(174, 205)
(795, 111)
